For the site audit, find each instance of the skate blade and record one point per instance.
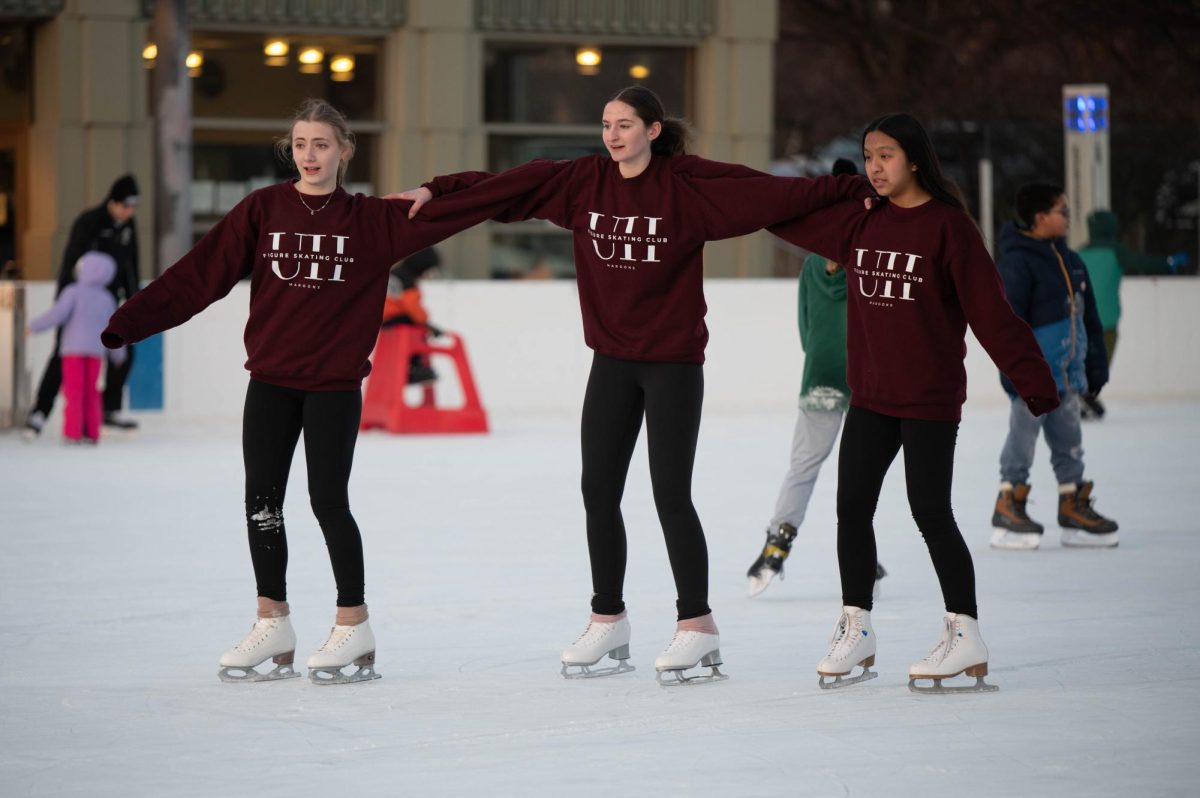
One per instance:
(1088, 540)
(843, 680)
(251, 675)
(324, 676)
(938, 688)
(586, 671)
(759, 582)
(674, 677)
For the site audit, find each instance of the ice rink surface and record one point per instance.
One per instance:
(124, 574)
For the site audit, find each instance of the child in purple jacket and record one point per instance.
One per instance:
(83, 310)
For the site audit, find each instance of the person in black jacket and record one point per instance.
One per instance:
(107, 228)
(1048, 286)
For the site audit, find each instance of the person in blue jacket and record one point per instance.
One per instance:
(1048, 286)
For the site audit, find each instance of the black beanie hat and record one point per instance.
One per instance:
(844, 166)
(124, 190)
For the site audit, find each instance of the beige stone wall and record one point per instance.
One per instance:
(433, 113)
(90, 125)
(734, 100)
(92, 122)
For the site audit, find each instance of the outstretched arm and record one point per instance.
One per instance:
(208, 272)
(532, 190)
(1005, 336)
(735, 200)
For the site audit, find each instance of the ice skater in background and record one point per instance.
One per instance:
(918, 273)
(1048, 286)
(318, 260)
(640, 216)
(824, 397)
(82, 310)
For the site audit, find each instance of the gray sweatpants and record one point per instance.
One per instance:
(816, 431)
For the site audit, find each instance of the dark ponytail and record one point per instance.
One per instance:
(675, 134)
(917, 146)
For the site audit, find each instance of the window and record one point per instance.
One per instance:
(241, 101)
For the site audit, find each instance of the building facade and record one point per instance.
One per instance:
(430, 87)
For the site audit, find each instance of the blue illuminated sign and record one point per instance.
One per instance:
(1085, 113)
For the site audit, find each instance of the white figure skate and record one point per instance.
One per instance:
(689, 650)
(852, 644)
(347, 645)
(597, 641)
(269, 638)
(961, 650)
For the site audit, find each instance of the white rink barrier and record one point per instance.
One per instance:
(525, 344)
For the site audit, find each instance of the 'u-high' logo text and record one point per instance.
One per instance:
(631, 239)
(320, 254)
(876, 281)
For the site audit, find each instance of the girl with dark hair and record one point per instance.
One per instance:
(918, 274)
(640, 218)
(318, 261)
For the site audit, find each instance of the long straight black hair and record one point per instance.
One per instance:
(675, 133)
(917, 147)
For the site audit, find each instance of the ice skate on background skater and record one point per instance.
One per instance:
(269, 638)
(961, 650)
(852, 645)
(605, 635)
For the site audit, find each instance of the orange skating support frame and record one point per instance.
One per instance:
(384, 405)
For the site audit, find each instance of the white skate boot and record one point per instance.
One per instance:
(269, 638)
(852, 644)
(961, 650)
(689, 650)
(347, 645)
(597, 641)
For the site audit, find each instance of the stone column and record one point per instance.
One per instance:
(91, 125)
(433, 113)
(734, 109)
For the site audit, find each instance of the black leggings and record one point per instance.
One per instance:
(271, 427)
(869, 444)
(669, 395)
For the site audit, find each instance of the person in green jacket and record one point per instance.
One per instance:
(1107, 261)
(824, 397)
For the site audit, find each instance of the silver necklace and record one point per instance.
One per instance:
(311, 212)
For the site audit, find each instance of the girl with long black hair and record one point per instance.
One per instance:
(918, 274)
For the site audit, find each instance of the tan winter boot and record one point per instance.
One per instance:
(1012, 528)
(1082, 526)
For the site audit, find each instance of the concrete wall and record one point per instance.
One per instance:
(526, 347)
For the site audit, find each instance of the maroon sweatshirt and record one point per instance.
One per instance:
(639, 241)
(916, 278)
(317, 280)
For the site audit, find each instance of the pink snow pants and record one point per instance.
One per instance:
(81, 417)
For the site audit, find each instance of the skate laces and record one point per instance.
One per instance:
(259, 632)
(945, 645)
(842, 635)
(338, 637)
(595, 631)
(680, 640)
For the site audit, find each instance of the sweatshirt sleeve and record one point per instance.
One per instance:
(59, 312)
(803, 294)
(205, 274)
(1006, 337)
(735, 200)
(535, 190)
(826, 232)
